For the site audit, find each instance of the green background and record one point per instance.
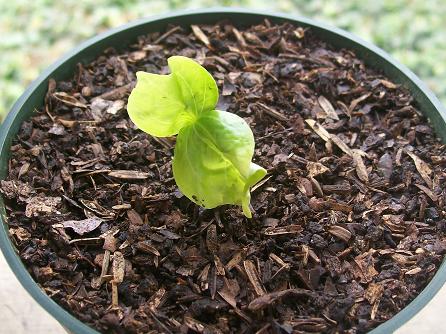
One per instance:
(34, 33)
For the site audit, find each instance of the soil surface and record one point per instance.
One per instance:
(348, 225)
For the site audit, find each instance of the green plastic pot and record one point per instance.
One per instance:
(33, 98)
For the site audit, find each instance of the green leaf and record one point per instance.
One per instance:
(198, 88)
(162, 104)
(212, 161)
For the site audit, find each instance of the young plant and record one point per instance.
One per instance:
(212, 156)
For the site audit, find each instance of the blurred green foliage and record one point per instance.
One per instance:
(35, 33)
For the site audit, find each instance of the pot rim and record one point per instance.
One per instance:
(420, 91)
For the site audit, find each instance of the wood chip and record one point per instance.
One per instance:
(388, 84)
(277, 259)
(134, 217)
(239, 37)
(155, 300)
(129, 174)
(96, 283)
(328, 108)
(203, 277)
(374, 292)
(355, 102)
(236, 259)
(281, 230)
(360, 167)
(253, 277)
(230, 291)
(220, 268)
(268, 299)
(69, 100)
(305, 187)
(428, 192)
(272, 112)
(337, 188)
(319, 129)
(118, 268)
(122, 207)
(343, 146)
(211, 239)
(116, 93)
(200, 35)
(340, 232)
(316, 168)
(146, 247)
(413, 271)
(422, 168)
(318, 204)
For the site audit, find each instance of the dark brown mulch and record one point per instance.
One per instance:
(348, 225)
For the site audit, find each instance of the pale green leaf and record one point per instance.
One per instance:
(162, 104)
(212, 161)
(156, 106)
(198, 87)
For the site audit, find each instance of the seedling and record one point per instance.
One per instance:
(213, 152)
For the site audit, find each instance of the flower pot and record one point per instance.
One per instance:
(34, 97)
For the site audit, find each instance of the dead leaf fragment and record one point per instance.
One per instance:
(16, 189)
(38, 205)
(203, 277)
(82, 226)
(20, 233)
(364, 266)
(100, 106)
